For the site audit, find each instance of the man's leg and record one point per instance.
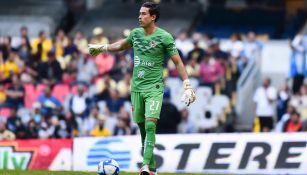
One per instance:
(143, 134)
(150, 140)
(152, 164)
(153, 104)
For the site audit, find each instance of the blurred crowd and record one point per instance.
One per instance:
(52, 87)
(280, 110)
(285, 109)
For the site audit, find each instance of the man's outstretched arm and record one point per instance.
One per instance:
(189, 94)
(95, 49)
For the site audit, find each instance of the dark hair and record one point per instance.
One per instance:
(154, 9)
(23, 28)
(41, 33)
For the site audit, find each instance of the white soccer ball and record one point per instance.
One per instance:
(108, 167)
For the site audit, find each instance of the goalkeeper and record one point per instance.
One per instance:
(150, 44)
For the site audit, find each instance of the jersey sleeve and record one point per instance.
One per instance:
(170, 46)
(129, 38)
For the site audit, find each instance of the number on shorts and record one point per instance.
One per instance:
(154, 105)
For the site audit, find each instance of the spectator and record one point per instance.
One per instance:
(112, 120)
(235, 46)
(283, 98)
(285, 117)
(210, 71)
(215, 50)
(55, 128)
(184, 44)
(264, 97)
(104, 63)
(81, 42)
(24, 51)
(61, 41)
(2, 95)
(44, 131)
(193, 68)
(70, 48)
(24, 37)
(103, 85)
(15, 94)
(68, 127)
(98, 37)
(299, 101)
(89, 123)
(196, 53)
(14, 121)
(186, 125)
(15, 125)
(86, 69)
(5, 47)
(114, 103)
(298, 58)
(10, 66)
(41, 46)
(32, 130)
(251, 47)
(294, 124)
(200, 39)
(6, 134)
(122, 127)
(79, 104)
(50, 72)
(208, 39)
(50, 104)
(36, 114)
(100, 130)
(122, 66)
(123, 86)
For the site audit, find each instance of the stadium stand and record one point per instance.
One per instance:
(114, 21)
(36, 15)
(65, 89)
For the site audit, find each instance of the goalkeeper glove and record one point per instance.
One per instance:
(188, 96)
(95, 49)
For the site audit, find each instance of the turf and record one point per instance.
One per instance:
(4, 172)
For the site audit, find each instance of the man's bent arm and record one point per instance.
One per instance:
(118, 46)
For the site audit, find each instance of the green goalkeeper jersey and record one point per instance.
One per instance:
(149, 54)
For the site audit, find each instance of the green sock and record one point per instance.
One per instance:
(152, 164)
(150, 141)
(143, 133)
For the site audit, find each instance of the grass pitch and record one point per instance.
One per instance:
(11, 172)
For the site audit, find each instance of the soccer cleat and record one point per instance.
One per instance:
(145, 170)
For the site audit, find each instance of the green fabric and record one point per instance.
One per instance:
(146, 105)
(152, 164)
(149, 54)
(150, 141)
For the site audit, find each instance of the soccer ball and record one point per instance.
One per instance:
(108, 167)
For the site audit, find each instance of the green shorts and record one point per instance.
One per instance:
(146, 105)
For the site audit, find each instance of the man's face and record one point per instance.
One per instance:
(266, 83)
(48, 92)
(145, 18)
(24, 32)
(43, 36)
